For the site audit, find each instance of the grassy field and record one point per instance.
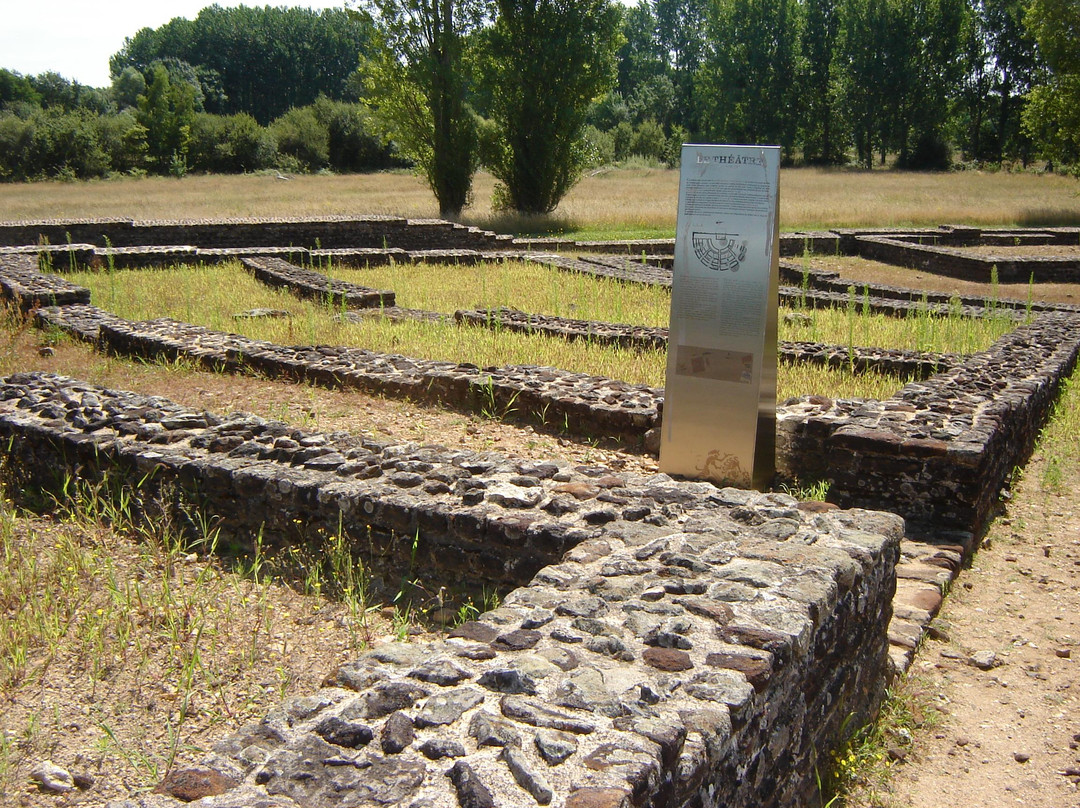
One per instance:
(617, 203)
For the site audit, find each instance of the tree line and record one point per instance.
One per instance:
(234, 90)
(840, 81)
(538, 90)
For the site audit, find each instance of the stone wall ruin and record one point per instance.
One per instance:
(668, 642)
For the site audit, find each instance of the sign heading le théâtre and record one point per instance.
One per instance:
(719, 419)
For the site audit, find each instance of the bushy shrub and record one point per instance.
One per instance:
(51, 143)
(230, 144)
(622, 135)
(123, 140)
(649, 141)
(600, 146)
(300, 135)
(353, 141)
(930, 153)
(15, 132)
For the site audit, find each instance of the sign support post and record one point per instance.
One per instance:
(719, 420)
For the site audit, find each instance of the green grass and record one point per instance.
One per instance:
(851, 325)
(1059, 442)
(860, 769)
(212, 295)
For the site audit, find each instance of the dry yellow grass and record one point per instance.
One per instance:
(630, 201)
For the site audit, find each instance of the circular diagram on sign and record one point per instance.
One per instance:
(721, 252)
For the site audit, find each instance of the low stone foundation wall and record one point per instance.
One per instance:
(940, 450)
(957, 263)
(677, 644)
(905, 363)
(22, 284)
(595, 405)
(313, 285)
(310, 233)
(804, 280)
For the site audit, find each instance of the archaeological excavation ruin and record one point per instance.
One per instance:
(660, 641)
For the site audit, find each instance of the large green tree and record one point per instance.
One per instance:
(167, 112)
(746, 86)
(680, 31)
(547, 60)
(1013, 54)
(820, 123)
(262, 61)
(416, 80)
(1052, 116)
(864, 74)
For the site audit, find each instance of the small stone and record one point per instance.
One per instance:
(1021, 757)
(562, 635)
(340, 732)
(984, 660)
(491, 730)
(537, 618)
(397, 734)
(582, 607)
(525, 776)
(519, 640)
(475, 631)
(610, 646)
(667, 659)
(508, 681)
(388, 698)
(51, 777)
(897, 754)
(561, 658)
(476, 652)
(1063, 653)
(580, 491)
(539, 715)
(598, 628)
(438, 748)
(441, 672)
(660, 638)
(598, 798)
(189, 785)
(928, 599)
(447, 707)
(535, 666)
(514, 496)
(82, 780)
(471, 792)
(703, 607)
(757, 670)
(262, 314)
(554, 747)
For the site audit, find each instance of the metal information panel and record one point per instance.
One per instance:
(719, 418)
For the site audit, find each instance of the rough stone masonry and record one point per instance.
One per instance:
(695, 646)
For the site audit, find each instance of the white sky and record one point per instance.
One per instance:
(75, 38)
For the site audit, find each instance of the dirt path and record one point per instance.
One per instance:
(1005, 670)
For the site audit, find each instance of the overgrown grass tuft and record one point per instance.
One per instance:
(856, 772)
(137, 621)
